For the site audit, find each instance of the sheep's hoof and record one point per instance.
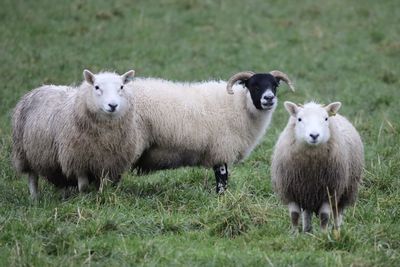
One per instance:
(336, 234)
(33, 186)
(324, 219)
(84, 188)
(324, 230)
(294, 231)
(294, 216)
(83, 184)
(34, 197)
(220, 189)
(66, 193)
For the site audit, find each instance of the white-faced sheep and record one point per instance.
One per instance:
(72, 136)
(317, 163)
(199, 124)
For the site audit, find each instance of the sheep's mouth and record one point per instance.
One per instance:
(268, 105)
(111, 114)
(313, 142)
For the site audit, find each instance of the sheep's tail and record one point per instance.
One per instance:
(284, 77)
(244, 75)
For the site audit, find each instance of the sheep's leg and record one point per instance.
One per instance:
(221, 177)
(33, 185)
(83, 183)
(294, 213)
(338, 219)
(323, 214)
(115, 181)
(65, 192)
(307, 226)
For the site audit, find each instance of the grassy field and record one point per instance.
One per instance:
(334, 50)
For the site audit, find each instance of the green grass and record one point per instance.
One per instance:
(334, 50)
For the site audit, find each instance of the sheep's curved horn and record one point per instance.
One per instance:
(244, 75)
(284, 77)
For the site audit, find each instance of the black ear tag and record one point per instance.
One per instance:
(222, 170)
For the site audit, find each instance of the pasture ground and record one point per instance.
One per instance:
(334, 50)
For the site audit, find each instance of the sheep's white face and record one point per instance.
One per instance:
(312, 121)
(108, 91)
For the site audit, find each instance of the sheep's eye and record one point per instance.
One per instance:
(122, 87)
(299, 119)
(326, 118)
(97, 87)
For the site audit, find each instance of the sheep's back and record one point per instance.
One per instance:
(169, 111)
(35, 124)
(194, 118)
(353, 146)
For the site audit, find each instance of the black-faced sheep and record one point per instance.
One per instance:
(73, 136)
(199, 124)
(317, 163)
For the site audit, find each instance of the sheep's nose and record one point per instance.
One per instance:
(269, 97)
(113, 107)
(314, 136)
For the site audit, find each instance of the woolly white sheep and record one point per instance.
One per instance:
(72, 136)
(317, 163)
(199, 124)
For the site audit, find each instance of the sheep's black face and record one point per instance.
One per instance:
(262, 88)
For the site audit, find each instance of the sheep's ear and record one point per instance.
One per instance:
(243, 82)
(278, 80)
(128, 76)
(333, 108)
(292, 108)
(89, 77)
